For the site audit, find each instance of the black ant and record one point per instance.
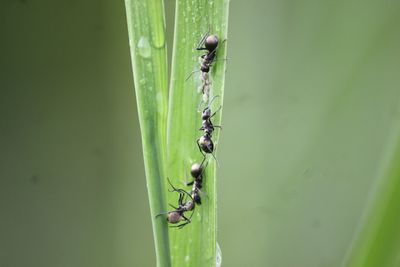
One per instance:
(178, 215)
(197, 174)
(209, 43)
(207, 126)
(205, 143)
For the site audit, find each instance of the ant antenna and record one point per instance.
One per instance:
(201, 166)
(212, 100)
(214, 115)
(174, 189)
(215, 159)
(162, 213)
(203, 39)
(190, 75)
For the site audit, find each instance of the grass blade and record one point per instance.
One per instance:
(146, 26)
(195, 245)
(378, 242)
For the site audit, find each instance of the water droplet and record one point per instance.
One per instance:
(187, 258)
(218, 258)
(159, 98)
(144, 47)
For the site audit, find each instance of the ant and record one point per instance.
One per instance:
(205, 143)
(197, 174)
(210, 44)
(207, 126)
(178, 215)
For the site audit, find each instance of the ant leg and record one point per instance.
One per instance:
(216, 112)
(217, 126)
(190, 183)
(180, 191)
(162, 213)
(182, 194)
(201, 103)
(212, 100)
(190, 75)
(174, 189)
(191, 215)
(216, 60)
(187, 221)
(169, 181)
(179, 226)
(215, 159)
(172, 206)
(198, 144)
(201, 164)
(203, 168)
(180, 200)
(182, 225)
(203, 39)
(222, 59)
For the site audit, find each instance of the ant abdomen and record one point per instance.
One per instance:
(175, 217)
(196, 170)
(206, 144)
(211, 43)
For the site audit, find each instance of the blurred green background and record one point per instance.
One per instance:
(311, 107)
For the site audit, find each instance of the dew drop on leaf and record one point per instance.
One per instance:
(144, 47)
(218, 258)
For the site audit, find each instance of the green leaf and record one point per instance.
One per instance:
(146, 26)
(195, 245)
(378, 243)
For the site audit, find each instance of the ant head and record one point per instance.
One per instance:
(174, 217)
(211, 43)
(197, 198)
(206, 114)
(196, 170)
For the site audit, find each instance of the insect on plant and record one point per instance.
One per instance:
(205, 143)
(197, 174)
(208, 43)
(165, 110)
(184, 205)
